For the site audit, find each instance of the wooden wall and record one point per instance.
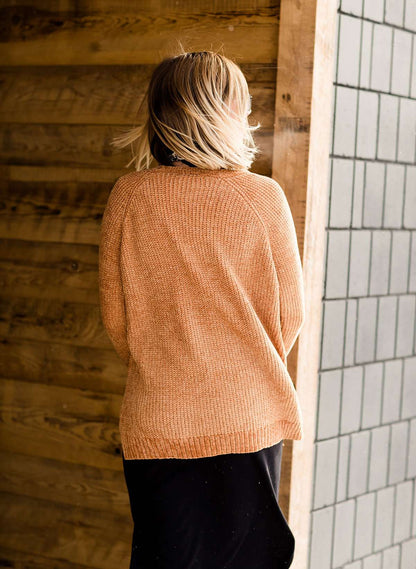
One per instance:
(71, 73)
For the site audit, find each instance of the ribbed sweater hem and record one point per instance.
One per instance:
(138, 447)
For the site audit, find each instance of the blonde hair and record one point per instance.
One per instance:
(195, 108)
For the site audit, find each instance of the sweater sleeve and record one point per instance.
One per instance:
(110, 284)
(274, 209)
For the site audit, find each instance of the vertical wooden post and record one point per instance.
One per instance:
(301, 148)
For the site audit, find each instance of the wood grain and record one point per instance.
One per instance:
(31, 560)
(301, 149)
(138, 33)
(81, 146)
(147, 6)
(53, 212)
(73, 75)
(49, 270)
(52, 321)
(103, 95)
(60, 423)
(15, 172)
(67, 483)
(76, 534)
(68, 365)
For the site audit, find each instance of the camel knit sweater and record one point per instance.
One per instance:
(201, 294)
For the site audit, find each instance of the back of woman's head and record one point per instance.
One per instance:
(196, 108)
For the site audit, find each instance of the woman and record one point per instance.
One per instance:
(201, 293)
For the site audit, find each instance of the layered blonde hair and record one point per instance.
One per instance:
(195, 108)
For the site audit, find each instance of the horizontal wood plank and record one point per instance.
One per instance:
(54, 270)
(16, 559)
(147, 6)
(60, 423)
(103, 95)
(83, 146)
(46, 320)
(136, 34)
(82, 536)
(50, 173)
(53, 212)
(66, 365)
(76, 146)
(73, 76)
(65, 483)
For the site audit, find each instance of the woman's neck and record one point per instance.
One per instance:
(183, 163)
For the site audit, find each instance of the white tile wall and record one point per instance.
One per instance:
(341, 192)
(352, 396)
(349, 50)
(380, 262)
(321, 549)
(394, 195)
(410, 15)
(366, 330)
(384, 516)
(329, 404)
(373, 9)
(368, 103)
(381, 57)
(399, 268)
(345, 121)
(359, 263)
(359, 463)
(407, 131)
(391, 558)
(406, 326)
(403, 511)
(402, 59)
(325, 472)
(337, 268)
(409, 389)
(409, 217)
(386, 327)
(394, 12)
(375, 179)
(372, 394)
(343, 533)
(364, 487)
(392, 389)
(352, 7)
(387, 127)
(408, 554)
(373, 561)
(363, 531)
(398, 452)
(333, 334)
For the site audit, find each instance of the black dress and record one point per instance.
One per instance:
(217, 512)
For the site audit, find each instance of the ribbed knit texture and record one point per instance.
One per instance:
(202, 296)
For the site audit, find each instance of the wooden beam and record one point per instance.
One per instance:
(64, 424)
(301, 148)
(62, 536)
(104, 94)
(134, 32)
(82, 146)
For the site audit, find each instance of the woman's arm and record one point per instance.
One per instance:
(110, 285)
(273, 207)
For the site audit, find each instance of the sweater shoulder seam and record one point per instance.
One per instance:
(131, 194)
(248, 202)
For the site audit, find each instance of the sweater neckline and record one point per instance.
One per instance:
(192, 170)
